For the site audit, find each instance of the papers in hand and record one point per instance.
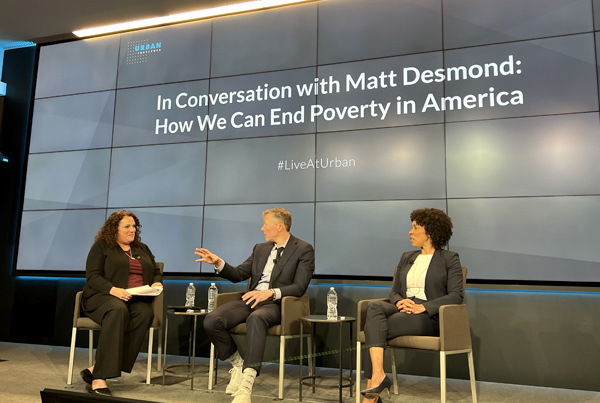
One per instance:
(145, 290)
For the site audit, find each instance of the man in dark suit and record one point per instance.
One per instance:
(282, 266)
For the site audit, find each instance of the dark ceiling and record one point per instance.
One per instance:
(42, 21)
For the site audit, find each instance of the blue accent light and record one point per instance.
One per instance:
(81, 279)
(350, 285)
(327, 285)
(217, 282)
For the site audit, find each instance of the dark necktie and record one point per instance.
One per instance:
(275, 261)
(277, 256)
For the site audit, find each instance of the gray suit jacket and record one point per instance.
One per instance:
(443, 283)
(292, 274)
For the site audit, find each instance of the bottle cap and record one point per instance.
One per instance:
(212, 283)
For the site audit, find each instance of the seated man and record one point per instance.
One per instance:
(280, 267)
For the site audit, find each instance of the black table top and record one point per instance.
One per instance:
(323, 319)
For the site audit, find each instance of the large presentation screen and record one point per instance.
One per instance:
(348, 113)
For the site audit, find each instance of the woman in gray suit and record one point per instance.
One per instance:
(424, 280)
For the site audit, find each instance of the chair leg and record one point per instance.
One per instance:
(358, 371)
(472, 376)
(216, 375)
(443, 375)
(71, 357)
(159, 349)
(91, 349)
(311, 363)
(394, 372)
(281, 365)
(149, 366)
(211, 367)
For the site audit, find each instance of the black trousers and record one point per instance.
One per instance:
(124, 326)
(385, 322)
(258, 321)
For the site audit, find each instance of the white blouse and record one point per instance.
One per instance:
(415, 278)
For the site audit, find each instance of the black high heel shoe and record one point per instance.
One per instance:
(87, 376)
(372, 393)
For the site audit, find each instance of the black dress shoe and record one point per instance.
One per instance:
(87, 376)
(372, 393)
(99, 391)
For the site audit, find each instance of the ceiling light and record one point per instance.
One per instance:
(191, 15)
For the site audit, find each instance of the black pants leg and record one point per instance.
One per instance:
(264, 316)
(141, 315)
(258, 320)
(384, 322)
(124, 327)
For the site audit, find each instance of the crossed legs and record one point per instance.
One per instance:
(384, 322)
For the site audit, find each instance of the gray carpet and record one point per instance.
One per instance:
(26, 369)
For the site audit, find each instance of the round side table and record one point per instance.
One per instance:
(313, 321)
(193, 314)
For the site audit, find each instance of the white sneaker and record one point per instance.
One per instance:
(235, 381)
(242, 396)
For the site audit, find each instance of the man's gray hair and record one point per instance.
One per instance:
(281, 215)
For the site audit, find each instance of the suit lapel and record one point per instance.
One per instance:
(404, 271)
(433, 271)
(261, 260)
(264, 255)
(289, 250)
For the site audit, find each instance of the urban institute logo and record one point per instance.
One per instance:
(139, 51)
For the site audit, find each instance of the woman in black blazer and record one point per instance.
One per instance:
(424, 280)
(118, 260)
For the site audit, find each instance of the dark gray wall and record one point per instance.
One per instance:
(537, 338)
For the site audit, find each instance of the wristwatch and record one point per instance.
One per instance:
(273, 294)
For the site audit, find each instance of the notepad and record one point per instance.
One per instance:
(145, 290)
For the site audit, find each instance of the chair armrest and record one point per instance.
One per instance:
(77, 309)
(158, 308)
(455, 332)
(226, 297)
(361, 312)
(292, 308)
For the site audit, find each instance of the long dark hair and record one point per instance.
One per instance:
(109, 230)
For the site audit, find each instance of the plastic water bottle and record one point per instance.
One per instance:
(190, 295)
(331, 304)
(212, 294)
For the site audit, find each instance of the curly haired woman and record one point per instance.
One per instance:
(424, 280)
(118, 260)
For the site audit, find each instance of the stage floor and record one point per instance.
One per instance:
(26, 369)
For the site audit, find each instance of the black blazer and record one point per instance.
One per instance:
(443, 283)
(108, 267)
(292, 275)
